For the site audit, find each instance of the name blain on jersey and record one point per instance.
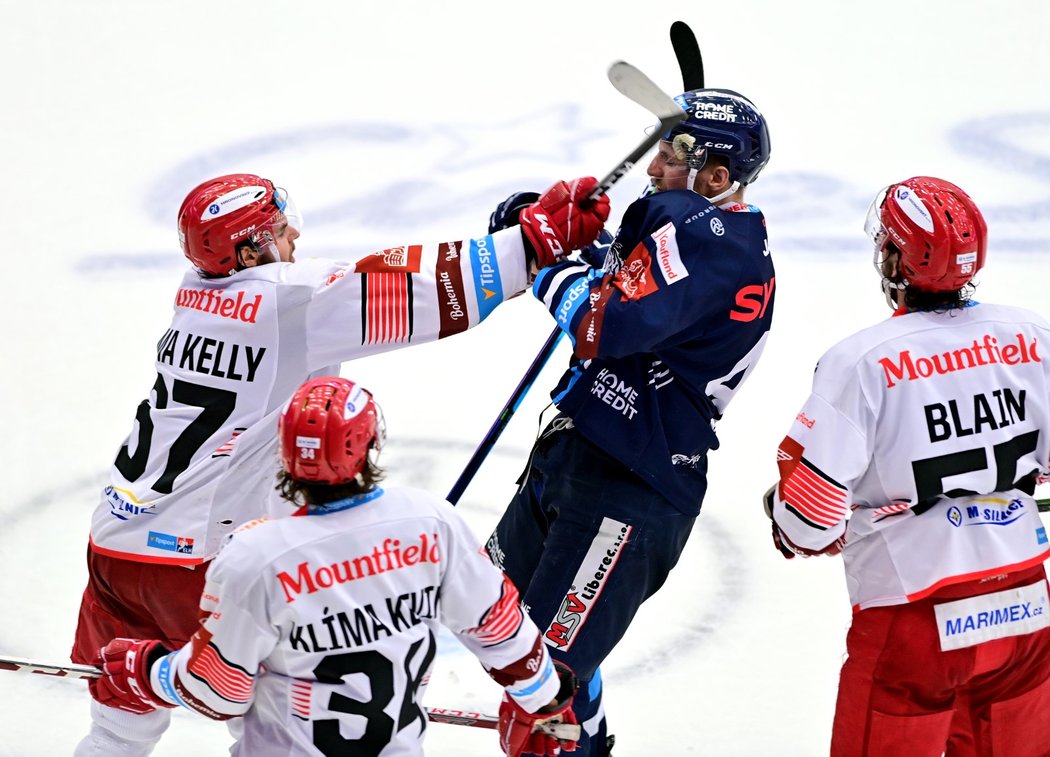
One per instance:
(212, 357)
(1002, 408)
(364, 625)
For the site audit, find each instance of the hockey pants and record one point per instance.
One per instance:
(586, 541)
(899, 694)
(138, 601)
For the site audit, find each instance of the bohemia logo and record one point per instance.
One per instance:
(985, 352)
(212, 301)
(390, 556)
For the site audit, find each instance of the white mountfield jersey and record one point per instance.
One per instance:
(202, 454)
(322, 627)
(933, 428)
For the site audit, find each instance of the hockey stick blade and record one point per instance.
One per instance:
(638, 87)
(633, 84)
(687, 51)
(435, 715)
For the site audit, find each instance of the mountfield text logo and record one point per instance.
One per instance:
(987, 351)
(215, 302)
(390, 556)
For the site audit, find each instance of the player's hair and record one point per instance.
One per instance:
(939, 302)
(312, 493)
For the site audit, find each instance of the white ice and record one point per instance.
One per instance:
(403, 122)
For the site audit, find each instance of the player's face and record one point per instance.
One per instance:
(666, 171)
(284, 237)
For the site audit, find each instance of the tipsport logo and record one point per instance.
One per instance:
(181, 544)
(488, 286)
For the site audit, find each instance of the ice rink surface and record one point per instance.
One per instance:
(403, 122)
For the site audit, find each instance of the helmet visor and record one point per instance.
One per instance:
(873, 225)
(876, 229)
(265, 237)
(287, 205)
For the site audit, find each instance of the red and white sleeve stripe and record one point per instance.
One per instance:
(229, 681)
(503, 619)
(814, 497)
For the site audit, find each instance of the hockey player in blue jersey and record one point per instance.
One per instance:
(664, 331)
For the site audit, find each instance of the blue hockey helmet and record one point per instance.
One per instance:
(721, 122)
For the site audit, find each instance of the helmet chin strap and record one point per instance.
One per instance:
(730, 190)
(894, 293)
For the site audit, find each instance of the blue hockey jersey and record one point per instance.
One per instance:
(664, 334)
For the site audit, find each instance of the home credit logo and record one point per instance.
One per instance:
(587, 586)
(985, 351)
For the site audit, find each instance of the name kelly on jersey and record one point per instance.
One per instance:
(213, 357)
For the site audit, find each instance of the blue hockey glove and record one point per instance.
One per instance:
(506, 213)
(594, 255)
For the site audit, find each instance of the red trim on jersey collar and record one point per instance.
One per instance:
(738, 207)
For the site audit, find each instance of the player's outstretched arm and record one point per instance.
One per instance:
(563, 219)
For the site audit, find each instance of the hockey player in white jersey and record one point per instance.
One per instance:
(319, 628)
(916, 456)
(250, 324)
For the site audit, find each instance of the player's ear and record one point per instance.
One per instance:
(720, 179)
(247, 255)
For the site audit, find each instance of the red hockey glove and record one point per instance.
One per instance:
(546, 731)
(788, 548)
(564, 219)
(125, 683)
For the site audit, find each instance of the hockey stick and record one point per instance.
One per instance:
(511, 406)
(687, 51)
(565, 731)
(635, 85)
(1043, 505)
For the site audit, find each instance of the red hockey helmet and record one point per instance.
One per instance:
(327, 430)
(224, 212)
(937, 229)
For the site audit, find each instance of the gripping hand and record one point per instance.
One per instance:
(546, 731)
(563, 219)
(124, 683)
